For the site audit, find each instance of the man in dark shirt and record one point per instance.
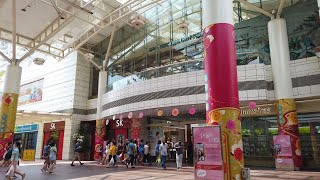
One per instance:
(179, 154)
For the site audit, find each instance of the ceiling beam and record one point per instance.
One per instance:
(111, 18)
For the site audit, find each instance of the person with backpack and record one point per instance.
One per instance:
(14, 162)
(46, 153)
(7, 155)
(77, 150)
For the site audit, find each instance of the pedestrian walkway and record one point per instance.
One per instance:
(92, 171)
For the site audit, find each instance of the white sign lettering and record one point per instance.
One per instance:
(119, 123)
(52, 126)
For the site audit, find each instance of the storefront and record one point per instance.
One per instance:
(54, 131)
(28, 135)
(120, 130)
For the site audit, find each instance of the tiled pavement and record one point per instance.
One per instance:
(91, 171)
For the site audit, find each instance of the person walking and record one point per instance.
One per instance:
(136, 150)
(179, 154)
(46, 154)
(77, 149)
(158, 157)
(141, 152)
(7, 155)
(146, 153)
(52, 156)
(164, 153)
(113, 155)
(131, 151)
(14, 162)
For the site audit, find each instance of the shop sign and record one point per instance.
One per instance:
(283, 152)
(28, 155)
(54, 126)
(119, 123)
(208, 153)
(26, 128)
(256, 112)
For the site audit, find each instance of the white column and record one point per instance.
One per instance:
(280, 58)
(13, 79)
(217, 11)
(103, 77)
(319, 7)
(10, 98)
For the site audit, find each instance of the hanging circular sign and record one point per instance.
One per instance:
(140, 114)
(114, 117)
(107, 122)
(160, 113)
(192, 111)
(252, 105)
(121, 117)
(130, 115)
(175, 112)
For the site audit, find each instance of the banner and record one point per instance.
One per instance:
(208, 153)
(31, 92)
(135, 128)
(283, 152)
(4, 139)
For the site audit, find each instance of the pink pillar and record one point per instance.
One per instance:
(221, 81)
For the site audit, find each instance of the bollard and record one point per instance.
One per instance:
(245, 173)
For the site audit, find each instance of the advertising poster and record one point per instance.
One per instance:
(28, 155)
(208, 153)
(283, 152)
(31, 92)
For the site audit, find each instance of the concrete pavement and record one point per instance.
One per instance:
(92, 171)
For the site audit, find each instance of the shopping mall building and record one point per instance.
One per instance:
(153, 86)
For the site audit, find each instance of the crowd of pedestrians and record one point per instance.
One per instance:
(130, 153)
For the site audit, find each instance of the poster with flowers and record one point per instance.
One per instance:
(31, 92)
(208, 153)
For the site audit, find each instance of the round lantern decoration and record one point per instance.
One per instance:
(107, 122)
(114, 117)
(130, 115)
(192, 111)
(141, 115)
(160, 113)
(121, 117)
(175, 112)
(252, 105)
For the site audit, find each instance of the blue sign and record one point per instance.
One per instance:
(26, 128)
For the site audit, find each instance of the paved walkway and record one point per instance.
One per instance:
(92, 171)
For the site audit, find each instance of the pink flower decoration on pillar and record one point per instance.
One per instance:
(207, 41)
(252, 105)
(231, 125)
(130, 115)
(192, 111)
(141, 115)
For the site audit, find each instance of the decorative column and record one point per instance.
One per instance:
(101, 133)
(9, 104)
(285, 103)
(221, 81)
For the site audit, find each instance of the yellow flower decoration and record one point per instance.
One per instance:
(292, 118)
(215, 116)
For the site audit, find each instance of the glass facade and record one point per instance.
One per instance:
(163, 47)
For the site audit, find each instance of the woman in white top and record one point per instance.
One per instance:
(52, 156)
